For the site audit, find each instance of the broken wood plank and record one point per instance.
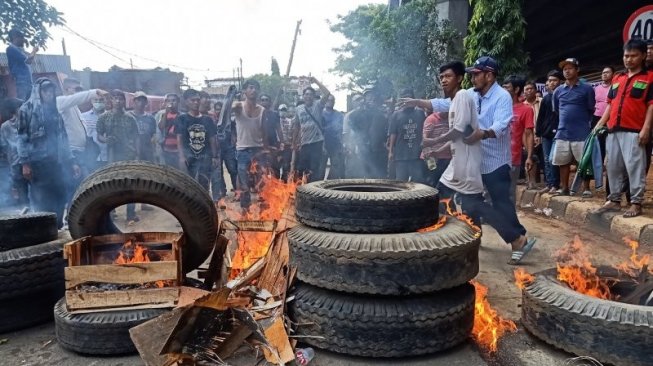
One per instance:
(122, 308)
(248, 275)
(148, 336)
(248, 225)
(113, 299)
(126, 274)
(281, 352)
(233, 342)
(188, 295)
(215, 266)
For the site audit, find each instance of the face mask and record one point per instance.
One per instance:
(98, 106)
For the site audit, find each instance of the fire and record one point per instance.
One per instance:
(523, 278)
(489, 327)
(275, 196)
(576, 270)
(135, 253)
(460, 216)
(434, 227)
(636, 263)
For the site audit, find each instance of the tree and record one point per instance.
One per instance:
(274, 67)
(31, 17)
(497, 29)
(404, 46)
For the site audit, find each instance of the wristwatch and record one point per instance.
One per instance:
(486, 134)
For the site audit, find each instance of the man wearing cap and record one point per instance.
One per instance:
(19, 63)
(146, 127)
(574, 103)
(629, 116)
(494, 108)
(546, 127)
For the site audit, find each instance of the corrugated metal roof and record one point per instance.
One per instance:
(45, 63)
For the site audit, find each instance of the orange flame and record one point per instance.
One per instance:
(275, 196)
(441, 222)
(460, 216)
(523, 278)
(135, 253)
(576, 270)
(489, 327)
(636, 263)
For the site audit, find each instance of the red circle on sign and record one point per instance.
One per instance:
(632, 18)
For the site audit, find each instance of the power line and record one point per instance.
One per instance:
(139, 56)
(95, 45)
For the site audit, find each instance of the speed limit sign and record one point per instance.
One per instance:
(640, 24)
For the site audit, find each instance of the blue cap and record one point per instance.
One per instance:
(484, 64)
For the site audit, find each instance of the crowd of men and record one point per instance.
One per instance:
(471, 144)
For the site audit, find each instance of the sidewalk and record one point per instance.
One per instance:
(578, 211)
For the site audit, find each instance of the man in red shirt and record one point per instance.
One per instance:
(628, 115)
(521, 131)
(166, 134)
(438, 156)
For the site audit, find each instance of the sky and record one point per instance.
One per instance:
(204, 39)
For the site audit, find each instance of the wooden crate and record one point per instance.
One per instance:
(90, 259)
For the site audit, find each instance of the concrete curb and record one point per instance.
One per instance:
(577, 211)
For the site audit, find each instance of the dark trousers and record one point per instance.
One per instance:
(377, 164)
(23, 90)
(246, 158)
(410, 169)
(48, 188)
(218, 184)
(171, 158)
(551, 172)
(309, 158)
(335, 154)
(497, 184)
(19, 187)
(433, 176)
(200, 170)
(474, 206)
(285, 160)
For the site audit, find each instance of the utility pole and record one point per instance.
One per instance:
(292, 49)
(63, 46)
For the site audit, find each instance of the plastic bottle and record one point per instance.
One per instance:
(304, 355)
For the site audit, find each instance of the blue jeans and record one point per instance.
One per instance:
(551, 172)
(246, 157)
(218, 184)
(497, 184)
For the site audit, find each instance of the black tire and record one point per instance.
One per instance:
(18, 231)
(377, 326)
(104, 333)
(366, 205)
(609, 331)
(25, 311)
(33, 269)
(386, 264)
(165, 187)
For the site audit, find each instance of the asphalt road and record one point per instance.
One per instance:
(38, 345)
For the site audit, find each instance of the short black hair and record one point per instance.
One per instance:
(190, 93)
(204, 94)
(9, 107)
(608, 67)
(252, 82)
(218, 103)
(556, 74)
(635, 44)
(515, 81)
(116, 93)
(307, 89)
(457, 67)
(14, 33)
(531, 83)
(171, 95)
(264, 96)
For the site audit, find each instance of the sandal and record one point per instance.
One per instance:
(587, 194)
(518, 255)
(562, 192)
(608, 207)
(633, 212)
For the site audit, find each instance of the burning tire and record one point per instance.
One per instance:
(381, 326)
(165, 187)
(366, 206)
(28, 310)
(104, 333)
(610, 331)
(29, 270)
(386, 264)
(18, 231)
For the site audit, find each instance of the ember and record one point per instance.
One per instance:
(489, 327)
(576, 270)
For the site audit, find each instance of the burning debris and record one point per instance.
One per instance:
(489, 326)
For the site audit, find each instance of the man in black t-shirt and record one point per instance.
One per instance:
(196, 138)
(406, 126)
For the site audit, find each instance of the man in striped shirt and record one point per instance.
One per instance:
(494, 107)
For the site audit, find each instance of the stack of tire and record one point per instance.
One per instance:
(31, 269)
(368, 283)
(107, 333)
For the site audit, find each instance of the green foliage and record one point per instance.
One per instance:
(31, 17)
(271, 84)
(405, 45)
(274, 67)
(497, 29)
